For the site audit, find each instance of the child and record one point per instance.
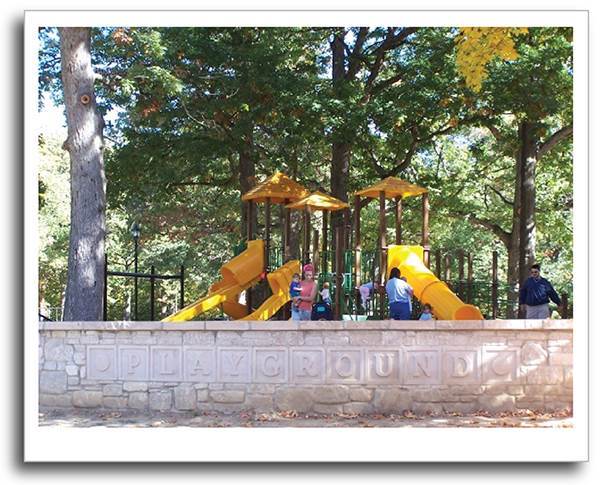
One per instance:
(295, 289)
(325, 293)
(426, 314)
(365, 291)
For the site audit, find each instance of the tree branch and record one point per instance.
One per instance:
(503, 235)
(554, 139)
(355, 57)
(499, 194)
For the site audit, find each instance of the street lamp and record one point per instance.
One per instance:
(135, 233)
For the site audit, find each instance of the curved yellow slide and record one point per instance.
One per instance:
(237, 275)
(427, 287)
(279, 281)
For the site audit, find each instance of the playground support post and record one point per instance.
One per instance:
(425, 235)
(447, 264)
(339, 265)
(316, 249)
(152, 293)
(461, 274)
(135, 280)
(357, 244)
(438, 264)
(306, 239)
(286, 231)
(382, 247)
(267, 234)
(325, 242)
(495, 284)
(250, 236)
(398, 219)
(469, 278)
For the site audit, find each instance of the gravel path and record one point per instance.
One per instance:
(83, 418)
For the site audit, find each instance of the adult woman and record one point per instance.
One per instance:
(307, 295)
(399, 293)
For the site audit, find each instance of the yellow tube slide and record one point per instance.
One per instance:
(427, 287)
(239, 274)
(279, 281)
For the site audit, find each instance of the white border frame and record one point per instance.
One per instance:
(301, 444)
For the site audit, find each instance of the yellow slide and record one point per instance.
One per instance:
(279, 281)
(427, 287)
(239, 274)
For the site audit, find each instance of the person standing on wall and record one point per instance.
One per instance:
(399, 294)
(535, 295)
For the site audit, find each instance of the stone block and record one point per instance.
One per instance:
(427, 409)
(533, 354)
(460, 407)
(115, 402)
(313, 338)
(294, 399)
(497, 403)
(361, 394)
(336, 338)
(50, 365)
(144, 338)
(393, 337)
(169, 338)
(229, 338)
(55, 400)
(135, 386)
(568, 377)
(87, 399)
(216, 386)
(328, 408)
(72, 381)
(113, 390)
(331, 394)
(261, 388)
(72, 370)
(227, 396)
(185, 397)
(56, 349)
(202, 395)
(201, 385)
(228, 408)
(391, 400)
(545, 375)
(357, 408)
(366, 337)
(288, 338)
(198, 338)
(515, 390)
(259, 402)
(160, 400)
(427, 395)
(559, 358)
(79, 358)
(53, 382)
(138, 400)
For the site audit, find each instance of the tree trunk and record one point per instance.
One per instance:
(528, 147)
(512, 271)
(247, 181)
(85, 278)
(341, 149)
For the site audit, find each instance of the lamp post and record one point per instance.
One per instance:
(135, 232)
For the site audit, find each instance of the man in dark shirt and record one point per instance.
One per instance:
(536, 293)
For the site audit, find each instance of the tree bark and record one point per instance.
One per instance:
(85, 278)
(247, 181)
(527, 232)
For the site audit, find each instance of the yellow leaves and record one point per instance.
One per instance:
(121, 37)
(477, 46)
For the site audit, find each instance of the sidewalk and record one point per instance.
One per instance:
(83, 418)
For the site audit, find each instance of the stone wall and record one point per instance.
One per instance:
(318, 367)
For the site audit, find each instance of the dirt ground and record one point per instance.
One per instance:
(83, 418)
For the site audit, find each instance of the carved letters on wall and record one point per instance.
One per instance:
(303, 365)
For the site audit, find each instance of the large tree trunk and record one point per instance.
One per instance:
(512, 271)
(247, 181)
(528, 145)
(341, 149)
(85, 282)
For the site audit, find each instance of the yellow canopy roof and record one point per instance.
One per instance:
(277, 187)
(319, 201)
(393, 187)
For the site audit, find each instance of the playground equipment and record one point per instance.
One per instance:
(248, 268)
(427, 287)
(237, 275)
